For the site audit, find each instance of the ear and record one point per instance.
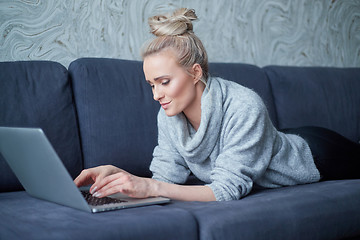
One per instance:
(197, 72)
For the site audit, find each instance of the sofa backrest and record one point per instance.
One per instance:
(117, 113)
(317, 96)
(38, 94)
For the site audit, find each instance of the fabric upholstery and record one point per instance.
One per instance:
(117, 124)
(117, 113)
(325, 210)
(38, 94)
(24, 217)
(317, 96)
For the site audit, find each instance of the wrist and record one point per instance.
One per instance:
(154, 187)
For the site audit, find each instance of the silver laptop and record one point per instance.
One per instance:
(43, 175)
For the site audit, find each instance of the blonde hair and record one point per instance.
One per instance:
(175, 32)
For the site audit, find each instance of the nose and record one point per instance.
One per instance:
(157, 94)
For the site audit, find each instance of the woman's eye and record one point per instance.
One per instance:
(165, 82)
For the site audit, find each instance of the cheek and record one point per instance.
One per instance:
(180, 88)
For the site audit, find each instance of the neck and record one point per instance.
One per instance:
(193, 113)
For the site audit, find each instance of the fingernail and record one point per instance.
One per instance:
(97, 194)
(93, 190)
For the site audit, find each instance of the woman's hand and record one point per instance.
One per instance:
(92, 175)
(108, 180)
(123, 182)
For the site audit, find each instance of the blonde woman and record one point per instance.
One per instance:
(217, 130)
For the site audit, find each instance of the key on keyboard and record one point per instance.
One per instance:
(99, 201)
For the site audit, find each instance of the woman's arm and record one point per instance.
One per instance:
(183, 193)
(107, 180)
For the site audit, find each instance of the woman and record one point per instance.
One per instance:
(216, 129)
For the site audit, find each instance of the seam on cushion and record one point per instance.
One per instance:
(265, 71)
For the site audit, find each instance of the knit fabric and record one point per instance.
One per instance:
(235, 146)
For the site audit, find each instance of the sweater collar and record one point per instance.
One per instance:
(196, 146)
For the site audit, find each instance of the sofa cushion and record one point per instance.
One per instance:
(117, 113)
(325, 210)
(249, 76)
(38, 94)
(24, 217)
(317, 96)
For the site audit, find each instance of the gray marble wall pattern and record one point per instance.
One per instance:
(260, 32)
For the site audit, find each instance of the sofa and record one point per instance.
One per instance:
(101, 111)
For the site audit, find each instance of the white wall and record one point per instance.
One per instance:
(260, 32)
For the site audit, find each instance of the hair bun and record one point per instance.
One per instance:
(178, 23)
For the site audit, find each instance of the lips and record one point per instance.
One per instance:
(165, 105)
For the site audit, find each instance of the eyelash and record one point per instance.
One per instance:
(163, 83)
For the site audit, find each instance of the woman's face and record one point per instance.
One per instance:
(171, 84)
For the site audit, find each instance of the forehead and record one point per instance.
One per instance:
(158, 63)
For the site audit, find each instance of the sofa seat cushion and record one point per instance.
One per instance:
(317, 96)
(25, 217)
(38, 94)
(325, 210)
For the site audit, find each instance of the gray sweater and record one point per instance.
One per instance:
(235, 146)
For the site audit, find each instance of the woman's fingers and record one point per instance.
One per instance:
(108, 180)
(86, 177)
(94, 176)
(122, 182)
(107, 185)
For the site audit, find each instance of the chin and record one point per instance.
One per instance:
(171, 113)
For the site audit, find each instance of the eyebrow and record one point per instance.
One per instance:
(160, 77)
(164, 76)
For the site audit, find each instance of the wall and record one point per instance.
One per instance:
(261, 32)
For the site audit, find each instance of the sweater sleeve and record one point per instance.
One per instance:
(247, 149)
(167, 164)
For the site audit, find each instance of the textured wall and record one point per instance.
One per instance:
(261, 32)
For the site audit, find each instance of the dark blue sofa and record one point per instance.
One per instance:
(101, 111)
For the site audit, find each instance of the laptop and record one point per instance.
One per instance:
(43, 175)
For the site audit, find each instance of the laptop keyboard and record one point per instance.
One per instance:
(94, 201)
